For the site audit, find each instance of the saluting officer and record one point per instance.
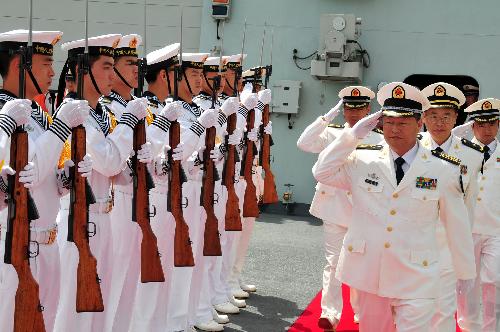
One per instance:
(486, 229)
(446, 101)
(333, 205)
(401, 190)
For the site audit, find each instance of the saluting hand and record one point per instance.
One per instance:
(365, 125)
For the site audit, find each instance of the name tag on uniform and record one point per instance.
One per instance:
(426, 183)
(372, 179)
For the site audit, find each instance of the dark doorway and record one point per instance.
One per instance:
(463, 82)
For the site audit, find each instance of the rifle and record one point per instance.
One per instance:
(88, 289)
(233, 217)
(21, 210)
(151, 269)
(211, 244)
(270, 194)
(250, 205)
(183, 252)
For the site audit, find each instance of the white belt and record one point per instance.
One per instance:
(44, 237)
(102, 206)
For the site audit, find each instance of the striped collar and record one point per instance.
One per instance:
(102, 118)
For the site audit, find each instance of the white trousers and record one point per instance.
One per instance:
(232, 243)
(212, 283)
(377, 314)
(331, 294)
(125, 264)
(446, 302)
(179, 298)
(151, 301)
(101, 245)
(487, 284)
(46, 271)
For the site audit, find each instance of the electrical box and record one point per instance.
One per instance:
(340, 57)
(286, 97)
(220, 9)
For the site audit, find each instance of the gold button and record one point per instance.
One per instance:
(393, 212)
(369, 189)
(389, 229)
(425, 263)
(424, 198)
(348, 193)
(350, 248)
(387, 245)
(481, 188)
(483, 177)
(479, 199)
(323, 192)
(395, 195)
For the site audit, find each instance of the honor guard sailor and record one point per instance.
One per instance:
(110, 144)
(330, 201)
(390, 253)
(150, 307)
(126, 234)
(485, 290)
(47, 138)
(213, 289)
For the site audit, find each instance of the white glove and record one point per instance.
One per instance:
(235, 137)
(172, 110)
(269, 128)
(252, 135)
(84, 166)
(208, 118)
(463, 130)
(73, 112)
(249, 100)
(216, 155)
(137, 108)
(178, 153)
(29, 175)
(464, 286)
(4, 173)
(144, 155)
(332, 113)
(18, 109)
(365, 125)
(265, 96)
(230, 106)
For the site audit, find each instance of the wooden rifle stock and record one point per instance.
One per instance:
(211, 245)
(88, 289)
(183, 253)
(250, 205)
(270, 195)
(28, 315)
(151, 269)
(232, 218)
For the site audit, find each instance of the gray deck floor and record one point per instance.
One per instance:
(285, 261)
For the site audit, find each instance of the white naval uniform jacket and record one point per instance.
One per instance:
(390, 248)
(487, 212)
(470, 166)
(109, 150)
(191, 132)
(204, 101)
(44, 149)
(330, 204)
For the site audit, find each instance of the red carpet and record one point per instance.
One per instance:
(307, 321)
